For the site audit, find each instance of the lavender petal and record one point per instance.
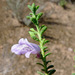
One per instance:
(27, 54)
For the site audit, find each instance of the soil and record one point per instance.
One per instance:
(60, 33)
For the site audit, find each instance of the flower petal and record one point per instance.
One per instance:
(28, 54)
(36, 48)
(28, 44)
(22, 41)
(19, 49)
(14, 47)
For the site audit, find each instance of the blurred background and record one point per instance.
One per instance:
(59, 17)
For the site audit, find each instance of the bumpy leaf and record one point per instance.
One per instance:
(40, 64)
(42, 69)
(31, 13)
(51, 71)
(47, 54)
(33, 20)
(42, 26)
(47, 62)
(73, 73)
(45, 50)
(39, 15)
(33, 8)
(28, 17)
(74, 57)
(33, 36)
(33, 30)
(43, 30)
(51, 66)
(30, 7)
(45, 42)
(37, 7)
(40, 73)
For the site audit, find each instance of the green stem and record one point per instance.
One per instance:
(46, 74)
(42, 51)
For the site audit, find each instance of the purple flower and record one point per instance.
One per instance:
(25, 47)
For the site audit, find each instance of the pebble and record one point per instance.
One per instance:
(70, 49)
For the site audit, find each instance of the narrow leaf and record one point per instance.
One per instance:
(40, 73)
(32, 29)
(31, 13)
(51, 71)
(33, 8)
(45, 50)
(42, 69)
(33, 36)
(47, 54)
(28, 17)
(47, 62)
(73, 73)
(30, 7)
(39, 15)
(33, 20)
(43, 30)
(45, 42)
(40, 64)
(37, 7)
(42, 26)
(51, 66)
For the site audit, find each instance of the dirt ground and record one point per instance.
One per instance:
(60, 33)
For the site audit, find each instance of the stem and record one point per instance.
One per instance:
(46, 74)
(42, 51)
(40, 30)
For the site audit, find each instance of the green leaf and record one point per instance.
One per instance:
(43, 30)
(33, 30)
(74, 66)
(74, 57)
(73, 73)
(40, 64)
(62, 3)
(51, 66)
(51, 71)
(42, 69)
(30, 7)
(33, 20)
(39, 15)
(28, 17)
(33, 8)
(37, 7)
(45, 50)
(47, 62)
(47, 54)
(42, 26)
(33, 5)
(40, 73)
(31, 13)
(33, 36)
(45, 42)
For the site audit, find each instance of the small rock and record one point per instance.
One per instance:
(70, 49)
